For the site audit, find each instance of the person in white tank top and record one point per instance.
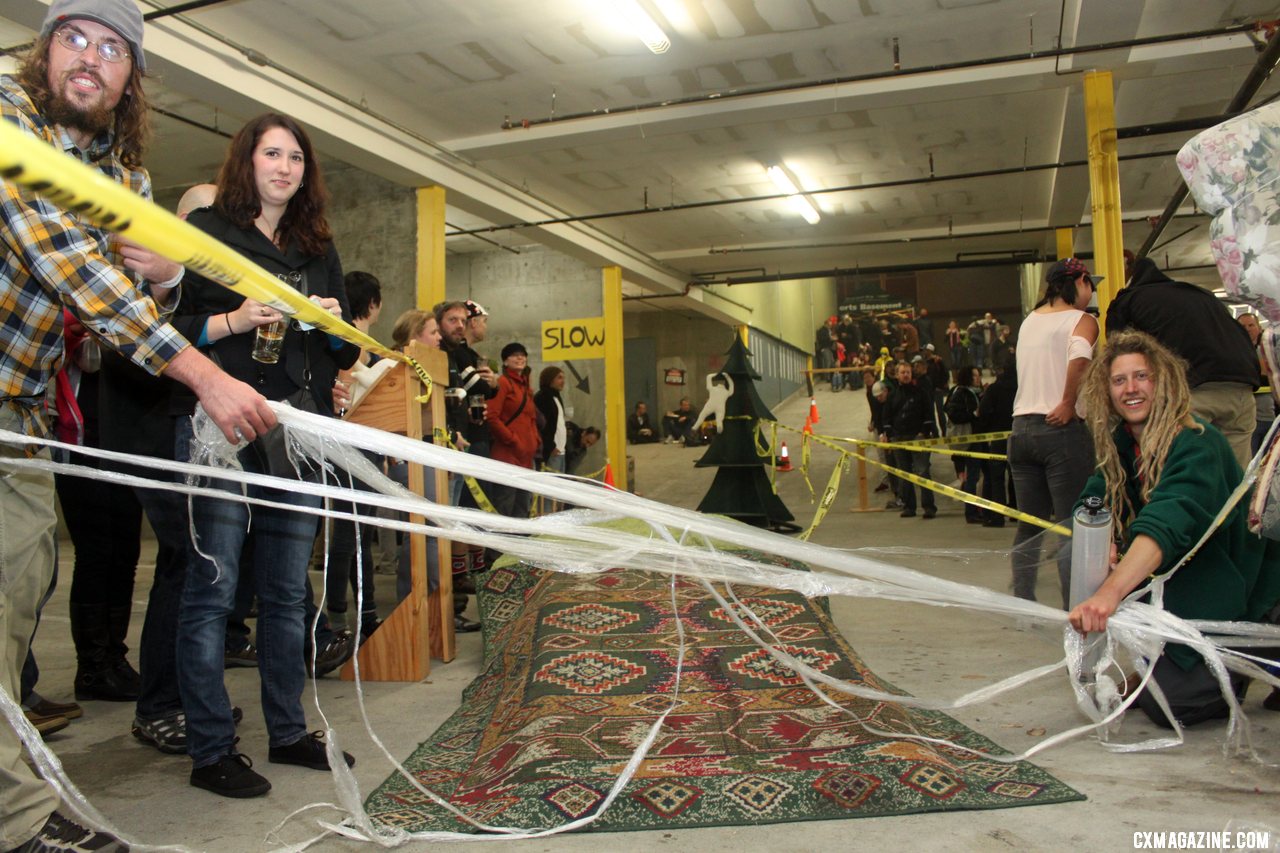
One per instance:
(1050, 451)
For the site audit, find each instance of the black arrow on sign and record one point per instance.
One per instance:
(584, 382)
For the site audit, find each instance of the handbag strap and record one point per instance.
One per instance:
(519, 409)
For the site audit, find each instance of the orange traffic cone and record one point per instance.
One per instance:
(808, 426)
(813, 410)
(608, 477)
(784, 460)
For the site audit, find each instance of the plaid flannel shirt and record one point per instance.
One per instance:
(48, 257)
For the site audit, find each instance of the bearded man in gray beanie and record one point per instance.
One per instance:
(79, 90)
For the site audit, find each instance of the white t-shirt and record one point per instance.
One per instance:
(560, 433)
(1045, 346)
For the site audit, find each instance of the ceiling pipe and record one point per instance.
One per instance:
(1178, 126)
(1032, 258)
(933, 238)
(903, 182)
(1257, 76)
(1233, 29)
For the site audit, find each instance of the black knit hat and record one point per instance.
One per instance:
(514, 348)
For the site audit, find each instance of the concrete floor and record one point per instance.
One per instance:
(934, 652)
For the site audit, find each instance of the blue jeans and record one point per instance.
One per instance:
(1050, 465)
(979, 353)
(917, 463)
(282, 542)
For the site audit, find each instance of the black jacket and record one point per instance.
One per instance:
(635, 423)
(995, 409)
(1190, 321)
(545, 401)
(202, 299)
(909, 411)
(463, 361)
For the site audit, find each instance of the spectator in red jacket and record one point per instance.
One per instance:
(513, 423)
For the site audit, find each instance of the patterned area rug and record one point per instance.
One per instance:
(579, 666)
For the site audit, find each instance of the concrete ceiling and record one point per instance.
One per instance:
(432, 92)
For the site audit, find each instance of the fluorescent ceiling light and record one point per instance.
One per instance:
(782, 180)
(806, 209)
(643, 26)
(799, 200)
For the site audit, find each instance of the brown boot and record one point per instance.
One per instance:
(47, 724)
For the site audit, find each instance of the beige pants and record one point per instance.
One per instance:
(1229, 406)
(27, 529)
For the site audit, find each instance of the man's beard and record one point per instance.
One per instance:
(91, 120)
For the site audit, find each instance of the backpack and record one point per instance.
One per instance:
(961, 405)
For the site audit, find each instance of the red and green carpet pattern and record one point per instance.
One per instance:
(579, 666)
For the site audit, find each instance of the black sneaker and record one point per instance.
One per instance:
(930, 512)
(907, 513)
(306, 751)
(231, 776)
(62, 833)
(463, 625)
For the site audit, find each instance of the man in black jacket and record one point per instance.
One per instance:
(1222, 367)
(466, 419)
(639, 428)
(907, 415)
(995, 414)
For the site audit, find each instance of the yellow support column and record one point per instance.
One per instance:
(1066, 242)
(615, 406)
(1104, 186)
(430, 272)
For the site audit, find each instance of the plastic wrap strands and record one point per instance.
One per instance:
(567, 543)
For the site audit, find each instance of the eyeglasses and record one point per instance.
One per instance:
(74, 40)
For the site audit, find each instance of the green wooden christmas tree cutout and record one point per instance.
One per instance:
(741, 488)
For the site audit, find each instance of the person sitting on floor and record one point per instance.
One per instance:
(639, 428)
(678, 424)
(1164, 474)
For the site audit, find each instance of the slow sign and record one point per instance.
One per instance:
(568, 339)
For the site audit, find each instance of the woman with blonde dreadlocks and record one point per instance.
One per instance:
(1166, 474)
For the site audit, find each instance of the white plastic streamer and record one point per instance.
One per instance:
(568, 542)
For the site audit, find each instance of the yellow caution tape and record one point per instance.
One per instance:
(804, 460)
(965, 497)
(482, 501)
(933, 445)
(31, 163)
(828, 496)
(923, 482)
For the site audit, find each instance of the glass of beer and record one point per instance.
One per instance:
(268, 341)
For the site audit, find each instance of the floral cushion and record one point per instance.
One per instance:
(1232, 169)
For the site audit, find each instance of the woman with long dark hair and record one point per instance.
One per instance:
(1050, 453)
(551, 407)
(270, 208)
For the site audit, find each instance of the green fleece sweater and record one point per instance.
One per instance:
(1236, 575)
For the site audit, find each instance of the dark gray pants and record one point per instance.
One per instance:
(1050, 466)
